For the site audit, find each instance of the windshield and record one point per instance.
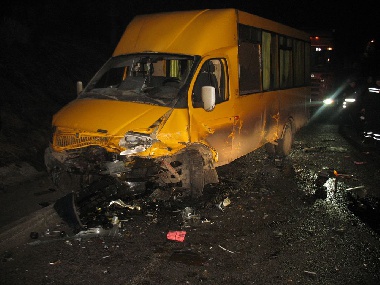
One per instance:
(144, 78)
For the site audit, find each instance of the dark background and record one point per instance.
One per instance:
(47, 46)
(354, 23)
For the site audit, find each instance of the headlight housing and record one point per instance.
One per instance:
(135, 143)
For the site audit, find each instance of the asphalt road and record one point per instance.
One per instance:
(288, 222)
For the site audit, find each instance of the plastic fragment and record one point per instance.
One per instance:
(55, 262)
(176, 235)
(310, 273)
(222, 205)
(225, 249)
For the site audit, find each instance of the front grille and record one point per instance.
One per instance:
(67, 141)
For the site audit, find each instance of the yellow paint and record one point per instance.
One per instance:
(188, 32)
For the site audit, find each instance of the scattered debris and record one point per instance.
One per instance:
(278, 162)
(358, 192)
(342, 175)
(55, 262)
(115, 220)
(121, 204)
(225, 249)
(336, 149)
(277, 234)
(176, 235)
(49, 233)
(91, 232)
(355, 188)
(313, 149)
(222, 205)
(189, 217)
(159, 194)
(187, 213)
(310, 273)
(205, 220)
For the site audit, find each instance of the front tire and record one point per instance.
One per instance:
(193, 173)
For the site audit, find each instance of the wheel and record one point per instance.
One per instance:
(193, 174)
(270, 149)
(284, 145)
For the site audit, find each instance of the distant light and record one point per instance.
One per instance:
(318, 49)
(374, 90)
(350, 100)
(329, 48)
(328, 101)
(317, 38)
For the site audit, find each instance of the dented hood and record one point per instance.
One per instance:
(114, 117)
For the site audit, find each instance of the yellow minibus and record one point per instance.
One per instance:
(183, 93)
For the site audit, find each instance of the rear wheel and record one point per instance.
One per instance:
(284, 145)
(270, 149)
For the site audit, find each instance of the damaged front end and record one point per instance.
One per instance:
(75, 162)
(104, 185)
(130, 128)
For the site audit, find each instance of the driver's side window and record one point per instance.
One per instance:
(212, 74)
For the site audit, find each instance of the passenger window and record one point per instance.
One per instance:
(250, 68)
(212, 74)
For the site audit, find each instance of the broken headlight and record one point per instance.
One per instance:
(135, 142)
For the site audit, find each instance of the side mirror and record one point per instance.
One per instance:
(79, 87)
(208, 98)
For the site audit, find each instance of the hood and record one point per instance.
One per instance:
(115, 117)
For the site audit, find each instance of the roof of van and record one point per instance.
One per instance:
(188, 32)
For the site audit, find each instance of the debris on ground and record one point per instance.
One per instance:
(176, 235)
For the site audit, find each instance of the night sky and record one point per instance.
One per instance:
(354, 24)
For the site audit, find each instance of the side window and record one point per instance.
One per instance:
(250, 68)
(286, 67)
(270, 61)
(213, 73)
(250, 64)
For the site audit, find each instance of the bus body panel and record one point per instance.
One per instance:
(258, 121)
(188, 32)
(265, 24)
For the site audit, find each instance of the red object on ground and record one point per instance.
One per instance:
(176, 235)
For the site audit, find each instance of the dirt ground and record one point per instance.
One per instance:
(289, 222)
